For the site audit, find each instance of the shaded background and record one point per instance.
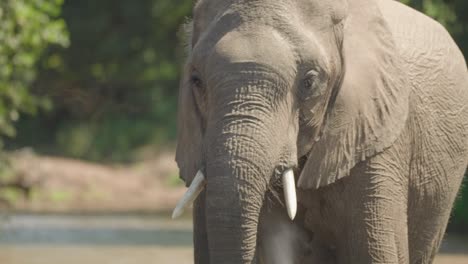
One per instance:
(88, 102)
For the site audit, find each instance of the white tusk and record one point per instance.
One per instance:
(290, 193)
(196, 187)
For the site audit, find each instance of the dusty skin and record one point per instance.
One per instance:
(365, 100)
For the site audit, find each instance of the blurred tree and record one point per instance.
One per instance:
(459, 221)
(417, 4)
(28, 27)
(115, 88)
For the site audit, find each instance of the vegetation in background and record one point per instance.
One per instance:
(459, 220)
(114, 89)
(28, 28)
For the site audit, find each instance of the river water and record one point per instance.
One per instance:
(118, 239)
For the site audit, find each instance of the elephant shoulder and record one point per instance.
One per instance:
(434, 64)
(437, 72)
(419, 38)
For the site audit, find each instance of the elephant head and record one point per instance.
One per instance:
(268, 84)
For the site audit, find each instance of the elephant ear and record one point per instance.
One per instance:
(371, 107)
(189, 125)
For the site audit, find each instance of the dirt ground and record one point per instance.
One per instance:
(451, 259)
(129, 256)
(57, 184)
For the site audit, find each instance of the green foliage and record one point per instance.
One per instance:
(60, 196)
(28, 27)
(460, 213)
(11, 195)
(114, 89)
(174, 181)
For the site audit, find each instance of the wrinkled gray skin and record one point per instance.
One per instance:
(366, 100)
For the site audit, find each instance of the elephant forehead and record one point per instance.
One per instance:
(316, 12)
(269, 32)
(263, 46)
(246, 54)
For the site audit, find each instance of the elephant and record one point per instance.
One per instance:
(328, 131)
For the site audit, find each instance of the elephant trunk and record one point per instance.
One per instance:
(233, 208)
(240, 160)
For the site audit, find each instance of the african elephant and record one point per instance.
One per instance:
(351, 114)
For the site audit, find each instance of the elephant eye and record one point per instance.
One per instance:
(315, 84)
(195, 79)
(310, 79)
(198, 90)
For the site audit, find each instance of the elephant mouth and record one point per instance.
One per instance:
(279, 199)
(288, 184)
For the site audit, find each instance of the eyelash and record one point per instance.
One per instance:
(308, 84)
(195, 80)
(198, 90)
(311, 77)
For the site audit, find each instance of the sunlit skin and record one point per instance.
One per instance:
(365, 101)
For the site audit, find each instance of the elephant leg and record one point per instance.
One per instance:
(426, 238)
(374, 222)
(200, 238)
(318, 254)
(281, 240)
(429, 217)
